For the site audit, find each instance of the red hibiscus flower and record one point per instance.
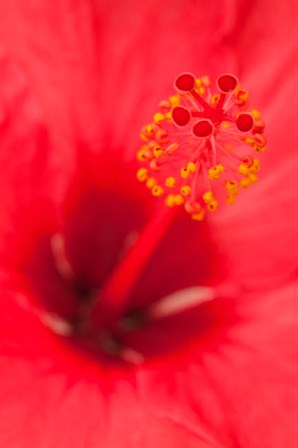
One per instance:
(122, 326)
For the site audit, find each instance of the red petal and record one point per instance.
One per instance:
(97, 68)
(263, 39)
(46, 387)
(259, 234)
(241, 378)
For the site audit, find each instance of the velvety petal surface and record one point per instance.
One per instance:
(95, 35)
(241, 378)
(52, 395)
(237, 379)
(87, 59)
(262, 246)
(259, 235)
(92, 73)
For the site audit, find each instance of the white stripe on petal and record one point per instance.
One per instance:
(180, 301)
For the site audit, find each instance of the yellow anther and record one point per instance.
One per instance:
(212, 205)
(212, 173)
(253, 178)
(157, 190)
(199, 86)
(170, 182)
(178, 199)
(249, 141)
(215, 99)
(185, 190)
(255, 166)
(151, 182)
(157, 151)
(142, 174)
(243, 169)
(174, 199)
(143, 137)
(158, 118)
(174, 100)
(140, 156)
(144, 154)
(242, 96)
(259, 148)
(170, 200)
(191, 167)
(207, 197)
(256, 114)
(149, 129)
(184, 173)
(232, 187)
(198, 216)
(215, 171)
(245, 182)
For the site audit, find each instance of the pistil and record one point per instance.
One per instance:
(112, 298)
(196, 132)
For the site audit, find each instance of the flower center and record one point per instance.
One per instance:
(105, 283)
(199, 149)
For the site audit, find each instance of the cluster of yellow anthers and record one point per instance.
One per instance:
(200, 145)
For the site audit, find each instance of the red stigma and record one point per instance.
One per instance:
(227, 83)
(203, 128)
(245, 122)
(180, 116)
(185, 82)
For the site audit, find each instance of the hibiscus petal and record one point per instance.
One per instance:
(263, 38)
(241, 379)
(261, 246)
(57, 48)
(99, 69)
(52, 396)
(259, 236)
